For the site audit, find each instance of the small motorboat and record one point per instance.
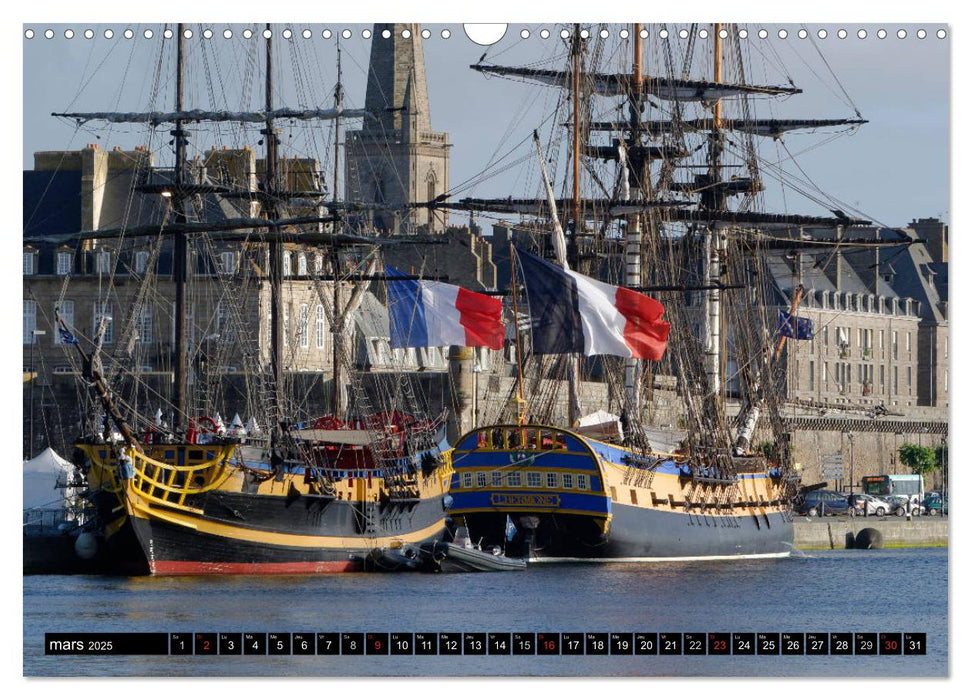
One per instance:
(404, 558)
(461, 555)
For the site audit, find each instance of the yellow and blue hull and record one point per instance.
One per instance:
(569, 497)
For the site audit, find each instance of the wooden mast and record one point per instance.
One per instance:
(337, 331)
(632, 252)
(713, 199)
(574, 362)
(576, 147)
(521, 393)
(180, 252)
(276, 252)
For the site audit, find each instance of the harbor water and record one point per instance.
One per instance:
(893, 590)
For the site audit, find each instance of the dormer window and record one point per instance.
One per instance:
(65, 261)
(102, 262)
(30, 262)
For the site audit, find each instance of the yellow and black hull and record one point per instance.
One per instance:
(228, 513)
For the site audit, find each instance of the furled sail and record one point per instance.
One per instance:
(759, 127)
(607, 207)
(614, 84)
(200, 115)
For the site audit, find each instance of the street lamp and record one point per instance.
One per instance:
(33, 382)
(850, 436)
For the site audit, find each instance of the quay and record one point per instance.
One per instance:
(841, 532)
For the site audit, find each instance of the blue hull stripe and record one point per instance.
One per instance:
(551, 501)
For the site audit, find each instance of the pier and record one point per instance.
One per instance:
(840, 533)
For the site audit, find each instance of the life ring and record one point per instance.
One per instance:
(329, 423)
(203, 425)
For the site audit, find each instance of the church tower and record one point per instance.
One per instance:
(396, 158)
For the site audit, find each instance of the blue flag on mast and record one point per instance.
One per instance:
(797, 327)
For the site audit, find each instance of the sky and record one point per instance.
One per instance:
(891, 170)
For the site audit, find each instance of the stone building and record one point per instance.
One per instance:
(396, 158)
(880, 321)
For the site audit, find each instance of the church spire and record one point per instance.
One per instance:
(397, 94)
(396, 159)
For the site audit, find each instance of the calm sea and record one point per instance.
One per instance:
(893, 590)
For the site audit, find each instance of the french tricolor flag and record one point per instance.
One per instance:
(427, 314)
(573, 313)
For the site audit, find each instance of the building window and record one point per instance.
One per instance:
(812, 376)
(825, 375)
(568, 481)
(303, 322)
(227, 262)
(320, 329)
(30, 262)
(826, 336)
(286, 264)
(910, 389)
(30, 321)
(102, 310)
(467, 480)
(65, 262)
(302, 264)
(66, 311)
(141, 262)
(552, 480)
(581, 482)
(222, 322)
(882, 377)
(318, 263)
(480, 479)
(896, 386)
(102, 262)
(145, 324)
(533, 480)
(515, 479)
(907, 342)
(496, 479)
(893, 344)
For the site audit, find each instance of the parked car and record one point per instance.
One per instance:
(823, 502)
(934, 504)
(899, 505)
(874, 505)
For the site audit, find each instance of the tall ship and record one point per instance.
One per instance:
(663, 273)
(185, 492)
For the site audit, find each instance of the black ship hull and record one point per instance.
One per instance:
(256, 534)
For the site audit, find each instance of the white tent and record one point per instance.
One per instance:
(40, 480)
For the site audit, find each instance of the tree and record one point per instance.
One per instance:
(921, 460)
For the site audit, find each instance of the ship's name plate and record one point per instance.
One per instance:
(526, 500)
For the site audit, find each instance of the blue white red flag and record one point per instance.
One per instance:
(573, 313)
(427, 314)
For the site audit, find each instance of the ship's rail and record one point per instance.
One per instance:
(170, 484)
(156, 476)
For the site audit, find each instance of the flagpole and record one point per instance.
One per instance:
(521, 399)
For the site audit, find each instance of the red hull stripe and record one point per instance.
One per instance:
(481, 317)
(197, 568)
(644, 333)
